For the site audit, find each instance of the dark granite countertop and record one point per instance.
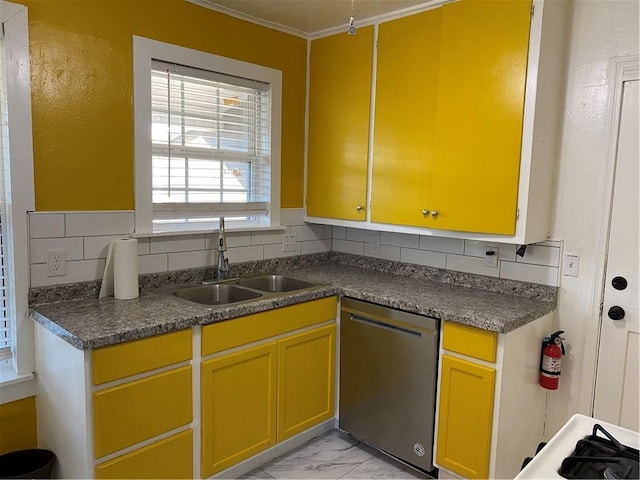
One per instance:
(490, 304)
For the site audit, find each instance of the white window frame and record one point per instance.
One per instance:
(18, 82)
(144, 50)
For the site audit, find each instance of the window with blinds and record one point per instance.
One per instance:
(210, 145)
(6, 321)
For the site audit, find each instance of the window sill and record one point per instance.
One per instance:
(171, 233)
(15, 386)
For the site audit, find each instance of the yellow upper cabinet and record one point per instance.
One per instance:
(482, 74)
(464, 121)
(339, 106)
(406, 93)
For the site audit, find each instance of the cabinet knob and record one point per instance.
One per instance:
(434, 213)
(359, 208)
(425, 212)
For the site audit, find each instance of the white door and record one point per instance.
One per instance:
(616, 396)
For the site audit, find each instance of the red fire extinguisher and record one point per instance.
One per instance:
(550, 360)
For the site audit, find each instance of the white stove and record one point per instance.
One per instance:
(547, 462)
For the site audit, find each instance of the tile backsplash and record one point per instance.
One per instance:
(85, 236)
(540, 263)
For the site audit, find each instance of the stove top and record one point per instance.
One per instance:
(600, 457)
(579, 438)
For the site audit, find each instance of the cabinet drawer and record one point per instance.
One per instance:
(252, 328)
(135, 411)
(168, 458)
(138, 356)
(470, 341)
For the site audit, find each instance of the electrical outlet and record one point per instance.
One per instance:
(56, 262)
(289, 242)
(374, 244)
(491, 257)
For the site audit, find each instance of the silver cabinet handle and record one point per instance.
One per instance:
(434, 214)
(425, 212)
(359, 208)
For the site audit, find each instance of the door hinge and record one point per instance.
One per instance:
(533, 9)
(601, 308)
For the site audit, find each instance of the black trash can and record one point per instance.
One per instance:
(34, 463)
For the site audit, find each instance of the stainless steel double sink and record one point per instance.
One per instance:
(235, 290)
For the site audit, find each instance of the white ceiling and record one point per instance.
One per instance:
(310, 17)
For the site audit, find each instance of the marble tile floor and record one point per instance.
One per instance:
(334, 455)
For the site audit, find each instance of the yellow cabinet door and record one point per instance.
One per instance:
(482, 75)
(404, 128)
(339, 106)
(238, 406)
(168, 458)
(306, 377)
(465, 417)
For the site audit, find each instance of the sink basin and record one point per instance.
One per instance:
(274, 283)
(216, 294)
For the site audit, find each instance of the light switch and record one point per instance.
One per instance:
(570, 265)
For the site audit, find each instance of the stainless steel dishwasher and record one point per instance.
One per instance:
(388, 370)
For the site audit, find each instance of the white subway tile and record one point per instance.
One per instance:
(347, 246)
(475, 248)
(390, 253)
(529, 273)
(143, 246)
(77, 271)
(463, 263)
(359, 234)
(423, 257)
(315, 246)
(98, 223)
(442, 244)
(38, 248)
(550, 243)
(541, 255)
(275, 251)
(339, 232)
(237, 239)
(266, 238)
(153, 263)
(193, 259)
(245, 254)
(177, 243)
(292, 216)
(98, 247)
(328, 231)
(403, 240)
(46, 225)
(304, 233)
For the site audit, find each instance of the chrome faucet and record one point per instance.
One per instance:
(222, 270)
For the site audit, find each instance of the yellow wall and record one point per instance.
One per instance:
(81, 81)
(18, 425)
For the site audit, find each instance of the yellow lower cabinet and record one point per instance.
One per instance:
(171, 457)
(139, 410)
(306, 373)
(238, 406)
(465, 417)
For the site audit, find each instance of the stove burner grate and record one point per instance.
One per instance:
(597, 457)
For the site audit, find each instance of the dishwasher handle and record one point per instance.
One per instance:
(389, 324)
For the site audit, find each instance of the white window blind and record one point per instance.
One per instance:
(210, 145)
(6, 319)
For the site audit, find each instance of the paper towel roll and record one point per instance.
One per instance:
(121, 270)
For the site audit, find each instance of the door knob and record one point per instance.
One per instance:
(359, 208)
(619, 283)
(434, 214)
(425, 212)
(616, 313)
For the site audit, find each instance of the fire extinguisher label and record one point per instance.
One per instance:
(551, 365)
